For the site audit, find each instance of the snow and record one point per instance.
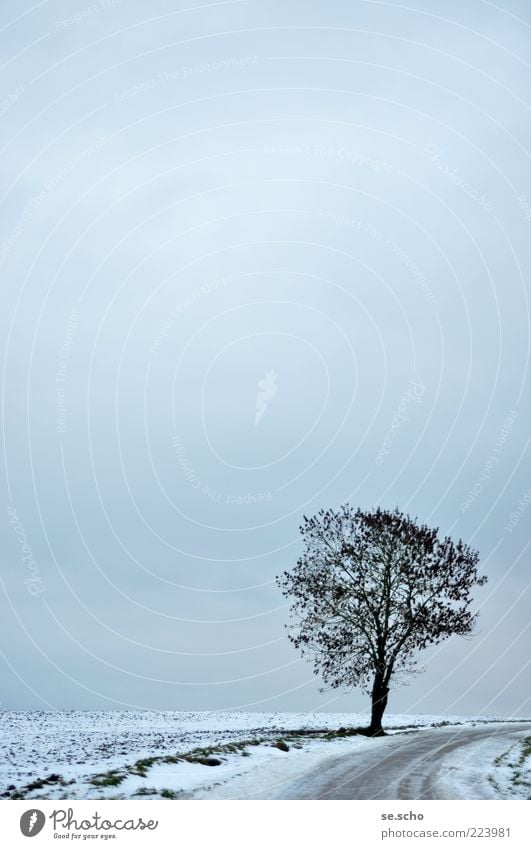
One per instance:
(267, 780)
(81, 745)
(237, 776)
(486, 770)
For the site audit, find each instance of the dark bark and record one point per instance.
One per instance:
(379, 696)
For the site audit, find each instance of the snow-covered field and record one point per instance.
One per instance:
(166, 754)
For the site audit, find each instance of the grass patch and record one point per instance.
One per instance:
(343, 732)
(526, 749)
(35, 785)
(107, 779)
(39, 783)
(141, 767)
(517, 760)
(168, 794)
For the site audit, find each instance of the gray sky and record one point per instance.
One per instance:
(257, 259)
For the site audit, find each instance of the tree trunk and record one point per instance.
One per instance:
(379, 696)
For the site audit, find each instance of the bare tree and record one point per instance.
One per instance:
(371, 589)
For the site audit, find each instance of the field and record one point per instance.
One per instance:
(166, 754)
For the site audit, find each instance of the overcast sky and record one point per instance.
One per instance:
(256, 259)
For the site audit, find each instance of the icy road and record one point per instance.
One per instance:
(441, 763)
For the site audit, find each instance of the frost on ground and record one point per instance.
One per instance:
(488, 770)
(511, 775)
(167, 754)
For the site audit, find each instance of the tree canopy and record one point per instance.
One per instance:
(370, 590)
